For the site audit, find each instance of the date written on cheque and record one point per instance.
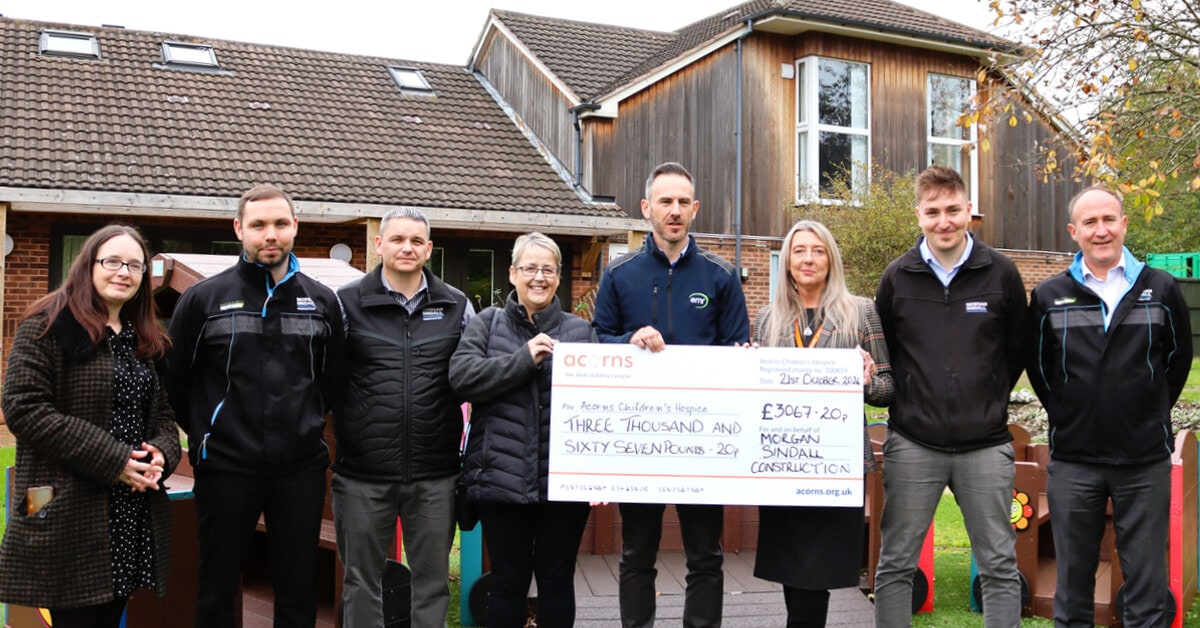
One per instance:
(809, 379)
(772, 411)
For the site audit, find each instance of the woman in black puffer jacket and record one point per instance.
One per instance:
(502, 366)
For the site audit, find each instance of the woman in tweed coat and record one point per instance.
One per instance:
(810, 550)
(83, 398)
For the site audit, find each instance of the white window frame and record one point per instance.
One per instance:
(69, 44)
(181, 53)
(410, 80)
(773, 275)
(932, 140)
(807, 162)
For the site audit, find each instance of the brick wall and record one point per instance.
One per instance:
(27, 268)
(1038, 266)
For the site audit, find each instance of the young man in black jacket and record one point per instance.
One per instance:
(257, 349)
(398, 426)
(952, 311)
(1109, 350)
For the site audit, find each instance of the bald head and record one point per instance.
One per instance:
(1098, 226)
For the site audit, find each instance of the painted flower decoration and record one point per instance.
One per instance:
(1021, 511)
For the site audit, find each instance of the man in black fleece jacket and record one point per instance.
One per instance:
(1109, 349)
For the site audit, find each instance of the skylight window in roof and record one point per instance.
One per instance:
(410, 80)
(69, 43)
(178, 53)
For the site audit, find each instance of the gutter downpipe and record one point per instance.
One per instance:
(737, 216)
(587, 106)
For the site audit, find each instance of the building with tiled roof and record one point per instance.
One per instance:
(165, 131)
(738, 97)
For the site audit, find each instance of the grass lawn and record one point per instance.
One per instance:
(1191, 390)
(952, 572)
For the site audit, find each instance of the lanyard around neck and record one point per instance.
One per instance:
(801, 336)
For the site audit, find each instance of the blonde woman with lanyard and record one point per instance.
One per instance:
(810, 550)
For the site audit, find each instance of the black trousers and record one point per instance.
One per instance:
(107, 615)
(227, 510)
(641, 531)
(541, 540)
(806, 608)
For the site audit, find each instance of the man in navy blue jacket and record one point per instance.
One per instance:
(1109, 350)
(671, 291)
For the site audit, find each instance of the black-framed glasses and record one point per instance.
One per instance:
(114, 264)
(529, 272)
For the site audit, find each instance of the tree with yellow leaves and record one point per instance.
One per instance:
(1122, 76)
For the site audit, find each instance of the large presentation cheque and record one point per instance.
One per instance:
(707, 425)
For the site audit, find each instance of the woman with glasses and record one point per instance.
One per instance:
(502, 366)
(810, 550)
(95, 440)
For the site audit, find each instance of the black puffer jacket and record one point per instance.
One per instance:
(398, 419)
(508, 454)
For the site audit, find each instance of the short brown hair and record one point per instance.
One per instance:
(262, 192)
(669, 167)
(940, 178)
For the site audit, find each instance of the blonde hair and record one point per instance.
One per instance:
(535, 238)
(837, 304)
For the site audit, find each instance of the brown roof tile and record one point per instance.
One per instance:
(329, 127)
(596, 59)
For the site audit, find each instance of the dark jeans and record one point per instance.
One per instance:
(107, 615)
(538, 540)
(806, 608)
(641, 531)
(227, 510)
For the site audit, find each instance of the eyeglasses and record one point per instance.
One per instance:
(114, 264)
(529, 272)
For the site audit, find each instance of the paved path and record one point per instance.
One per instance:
(749, 602)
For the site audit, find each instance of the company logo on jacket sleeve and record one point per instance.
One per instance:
(699, 300)
(977, 307)
(305, 304)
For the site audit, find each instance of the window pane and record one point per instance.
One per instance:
(71, 246)
(435, 263)
(172, 245)
(193, 54)
(843, 94)
(80, 44)
(952, 156)
(801, 101)
(225, 247)
(479, 279)
(842, 154)
(949, 98)
(802, 155)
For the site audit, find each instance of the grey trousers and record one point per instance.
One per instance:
(364, 514)
(914, 478)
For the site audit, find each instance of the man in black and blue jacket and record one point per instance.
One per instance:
(1109, 349)
(671, 291)
(257, 351)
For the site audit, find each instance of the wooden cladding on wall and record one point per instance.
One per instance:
(545, 110)
(691, 117)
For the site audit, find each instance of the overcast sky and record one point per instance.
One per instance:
(442, 31)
